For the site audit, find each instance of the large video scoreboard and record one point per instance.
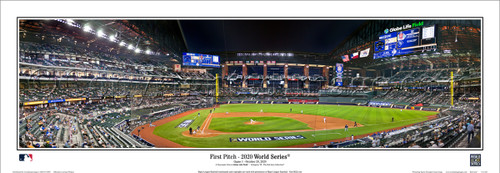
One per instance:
(401, 40)
(200, 60)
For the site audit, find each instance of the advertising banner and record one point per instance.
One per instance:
(302, 100)
(56, 101)
(339, 68)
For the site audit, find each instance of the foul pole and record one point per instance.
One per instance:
(216, 87)
(451, 87)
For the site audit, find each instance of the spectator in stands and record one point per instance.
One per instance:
(470, 131)
(28, 144)
(414, 145)
(433, 145)
(440, 143)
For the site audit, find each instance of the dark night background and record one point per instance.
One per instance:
(319, 36)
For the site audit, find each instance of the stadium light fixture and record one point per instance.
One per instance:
(112, 38)
(70, 22)
(148, 52)
(122, 43)
(137, 50)
(100, 33)
(87, 28)
(130, 47)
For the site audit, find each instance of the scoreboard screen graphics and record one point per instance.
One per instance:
(200, 60)
(405, 42)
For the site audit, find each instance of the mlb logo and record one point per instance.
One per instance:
(475, 159)
(23, 157)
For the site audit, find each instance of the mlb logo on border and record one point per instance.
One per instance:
(386, 31)
(23, 157)
(475, 159)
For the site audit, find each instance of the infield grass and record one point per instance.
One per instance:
(237, 124)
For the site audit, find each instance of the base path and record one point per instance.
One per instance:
(316, 122)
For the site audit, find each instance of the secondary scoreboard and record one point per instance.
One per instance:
(200, 60)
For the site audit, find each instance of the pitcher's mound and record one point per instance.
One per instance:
(254, 123)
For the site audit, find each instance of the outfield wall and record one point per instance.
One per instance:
(334, 103)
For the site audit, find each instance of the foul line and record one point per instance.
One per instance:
(209, 118)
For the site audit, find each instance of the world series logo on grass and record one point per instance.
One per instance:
(274, 138)
(185, 124)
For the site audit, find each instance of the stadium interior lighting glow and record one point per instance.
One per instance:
(87, 28)
(148, 51)
(130, 47)
(137, 50)
(100, 33)
(122, 43)
(69, 21)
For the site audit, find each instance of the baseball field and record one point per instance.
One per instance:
(278, 125)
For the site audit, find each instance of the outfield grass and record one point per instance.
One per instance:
(237, 124)
(373, 119)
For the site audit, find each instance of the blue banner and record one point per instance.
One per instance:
(380, 103)
(56, 101)
(408, 38)
(339, 68)
(397, 43)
